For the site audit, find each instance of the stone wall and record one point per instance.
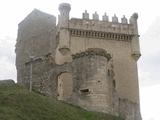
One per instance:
(36, 38)
(41, 68)
(129, 110)
(125, 108)
(125, 67)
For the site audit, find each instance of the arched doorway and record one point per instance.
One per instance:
(65, 86)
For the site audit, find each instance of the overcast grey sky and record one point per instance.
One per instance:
(12, 12)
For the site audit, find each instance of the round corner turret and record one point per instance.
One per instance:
(64, 7)
(135, 15)
(133, 18)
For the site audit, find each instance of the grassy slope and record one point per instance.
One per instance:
(16, 103)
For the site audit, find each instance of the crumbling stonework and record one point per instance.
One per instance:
(87, 62)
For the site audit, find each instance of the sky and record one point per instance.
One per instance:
(13, 12)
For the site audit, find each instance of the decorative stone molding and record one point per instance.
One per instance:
(100, 35)
(92, 52)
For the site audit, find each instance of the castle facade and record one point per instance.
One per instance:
(87, 62)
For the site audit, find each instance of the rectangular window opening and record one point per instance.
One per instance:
(84, 91)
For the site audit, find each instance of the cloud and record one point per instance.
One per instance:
(7, 48)
(149, 65)
(7, 58)
(150, 102)
(8, 71)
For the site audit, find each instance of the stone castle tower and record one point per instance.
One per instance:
(87, 62)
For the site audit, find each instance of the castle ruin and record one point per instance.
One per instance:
(87, 62)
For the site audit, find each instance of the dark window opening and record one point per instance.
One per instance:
(84, 91)
(109, 73)
(114, 84)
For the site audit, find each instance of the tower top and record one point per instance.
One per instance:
(64, 9)
(64, 6)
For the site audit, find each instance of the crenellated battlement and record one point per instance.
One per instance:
(105, 18)
(104, 25)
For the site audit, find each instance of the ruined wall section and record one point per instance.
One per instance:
(41, 72)
(36, 39)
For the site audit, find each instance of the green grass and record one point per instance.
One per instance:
(16, 103)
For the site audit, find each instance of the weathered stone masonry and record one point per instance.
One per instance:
(87, 62)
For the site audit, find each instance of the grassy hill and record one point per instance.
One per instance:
(17, 103)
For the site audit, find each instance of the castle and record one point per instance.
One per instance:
(87, 62)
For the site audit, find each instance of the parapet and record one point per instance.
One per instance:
(104, 25)
(124, 20)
